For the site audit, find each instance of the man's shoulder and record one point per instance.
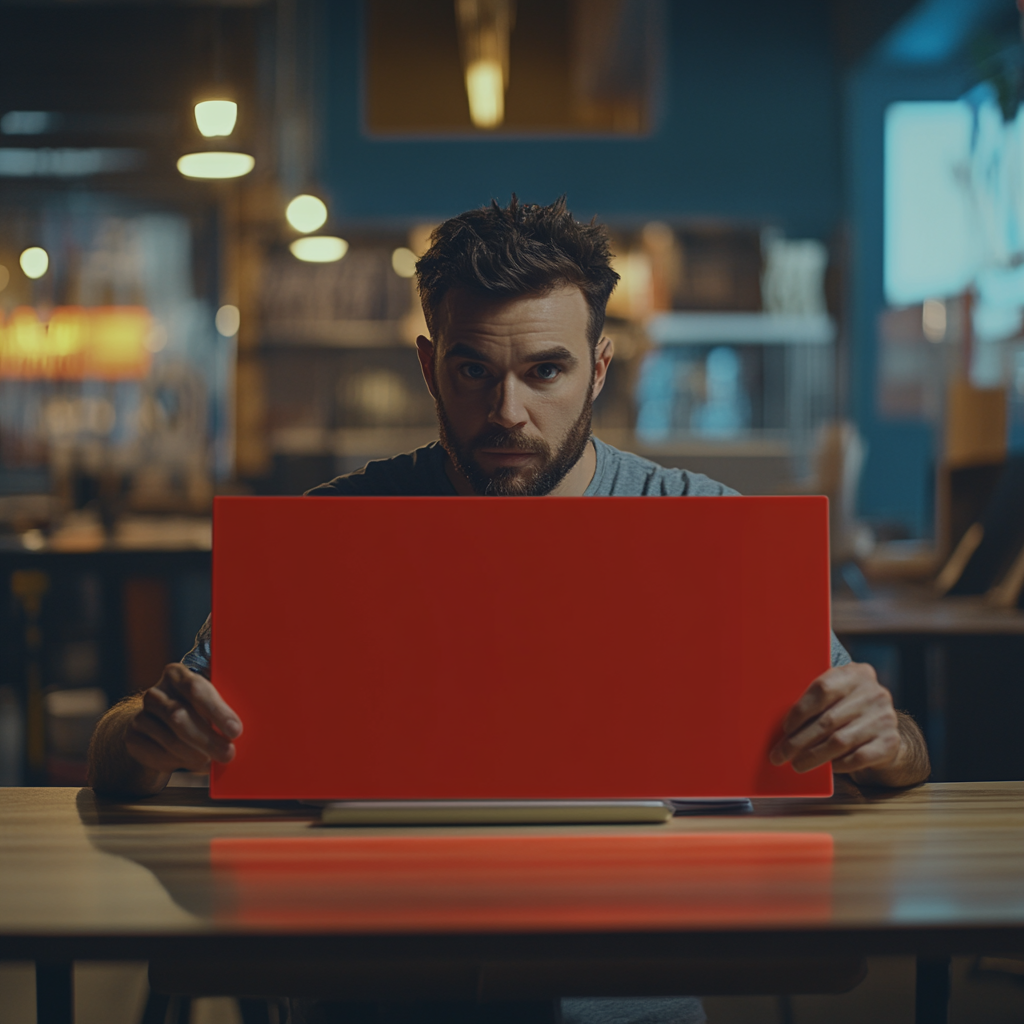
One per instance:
(623, 474)
(417, 473)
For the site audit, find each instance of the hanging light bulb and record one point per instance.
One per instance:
(319, 249)
(485, 88)
(215, 163)
(484, 29)
(306, 213)
(216, 118)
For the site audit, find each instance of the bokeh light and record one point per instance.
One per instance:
(319, 249)
(306, 213)
(215, 164)
(216, 118)
(34, 262)
(403, 262)
(227, 320)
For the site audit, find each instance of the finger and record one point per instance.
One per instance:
(879, 728)
(187, 725)
(825, 691)
(179, 753)
(148, 752)
(881, 751)
(819, 729)
(202, 696)
(837, 745)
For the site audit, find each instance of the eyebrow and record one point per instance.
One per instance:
(558, 354)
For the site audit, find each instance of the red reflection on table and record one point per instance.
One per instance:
(481, 883)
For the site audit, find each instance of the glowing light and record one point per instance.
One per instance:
(933, 319)
(104, 343)
(34, 262)
(216, 118)
(215, 164)
(484, 27)
(227, 320)
(306, 213)
(485, 87)
(403, 262)
(319, 248)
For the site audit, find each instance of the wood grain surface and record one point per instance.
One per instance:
(936, 868)
(918, 611)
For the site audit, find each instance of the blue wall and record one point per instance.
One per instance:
(757, 122)
(748, 129)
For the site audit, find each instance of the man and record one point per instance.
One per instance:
(514, 301)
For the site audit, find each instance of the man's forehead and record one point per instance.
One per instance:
(559, 314)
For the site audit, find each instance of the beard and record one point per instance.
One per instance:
(551, 467)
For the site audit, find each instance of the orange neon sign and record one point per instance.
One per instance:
(76, 343)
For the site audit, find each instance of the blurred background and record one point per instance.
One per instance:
(209, 218)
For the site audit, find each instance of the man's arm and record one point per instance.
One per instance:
(182, 722)
(846, 717)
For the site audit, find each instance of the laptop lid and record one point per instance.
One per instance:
(516, 648)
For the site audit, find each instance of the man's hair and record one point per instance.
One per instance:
(519, 250)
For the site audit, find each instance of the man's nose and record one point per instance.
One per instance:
(508, 410)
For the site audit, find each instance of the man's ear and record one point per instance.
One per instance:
(602, 357)
(425, 351)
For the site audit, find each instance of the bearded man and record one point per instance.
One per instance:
(514, 301)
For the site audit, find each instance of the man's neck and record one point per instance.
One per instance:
(573, 485)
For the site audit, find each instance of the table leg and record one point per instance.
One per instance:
(55, 995)
(931, 991)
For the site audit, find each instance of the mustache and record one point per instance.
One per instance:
(513, 440)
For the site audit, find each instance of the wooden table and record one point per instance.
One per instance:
(931, 872)
(959, 674)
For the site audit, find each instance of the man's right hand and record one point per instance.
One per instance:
(183, 723)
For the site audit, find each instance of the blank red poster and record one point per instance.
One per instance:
(516, 648)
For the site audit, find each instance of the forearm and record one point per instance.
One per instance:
(112, 770)
(911, 765)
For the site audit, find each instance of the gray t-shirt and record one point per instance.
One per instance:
(421, 474)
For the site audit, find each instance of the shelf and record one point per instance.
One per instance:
(333, 334)
(368, 442)
(683, 328)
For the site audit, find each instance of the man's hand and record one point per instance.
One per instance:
(183, 723)
(846, 717)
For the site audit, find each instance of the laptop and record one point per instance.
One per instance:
(417, 651)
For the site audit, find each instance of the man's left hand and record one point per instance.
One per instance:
(846, 717)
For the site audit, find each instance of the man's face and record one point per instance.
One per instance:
(513, 381)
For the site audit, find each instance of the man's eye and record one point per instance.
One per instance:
(548, 371)
(474, 371)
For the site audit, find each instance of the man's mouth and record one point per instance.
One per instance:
(507, 456)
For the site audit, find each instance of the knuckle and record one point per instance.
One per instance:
(179, 718)
(858, 759)
(884, 697)
(863, 668)
(185, 682)
(832, 684)
(171, 672)
(838, 744)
